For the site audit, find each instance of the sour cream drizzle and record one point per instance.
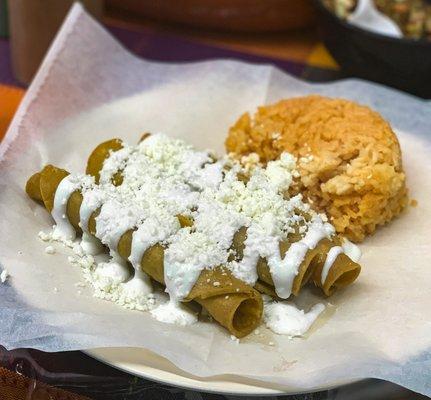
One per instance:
(150, 232)
(351, 250)
(113, 221)
(286, 319)
(92, 199)
(163, 178)
(64, 229)
(90, 244)
(332, 255)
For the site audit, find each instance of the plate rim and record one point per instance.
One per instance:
(187, 381)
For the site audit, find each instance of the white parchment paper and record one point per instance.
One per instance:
(90, 89)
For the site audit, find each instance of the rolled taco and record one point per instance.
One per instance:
(210, 230)
(325, 264)
(232, 303)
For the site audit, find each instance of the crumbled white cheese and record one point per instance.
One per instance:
(114, 163)
(249, 161)
(187, 255)
(306, 159)
(90, 245)
(4, 275)
(46, 237)
(234, 339)
(163, 178)
(279, 172)
(49, 250)
(107, 283)
(139, 286)
(112, 272)
(173, 312)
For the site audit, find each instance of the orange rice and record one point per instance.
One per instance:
(348, 157)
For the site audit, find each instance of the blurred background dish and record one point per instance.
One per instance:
(413, 17)
(227, 15)
(403, 63)
(281, 32)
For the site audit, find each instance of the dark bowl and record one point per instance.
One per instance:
(401, 63)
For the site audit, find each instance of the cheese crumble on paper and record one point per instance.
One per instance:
(4, 275)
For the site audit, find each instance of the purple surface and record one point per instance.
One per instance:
(161, 47)
(169, 48)
(6, 75)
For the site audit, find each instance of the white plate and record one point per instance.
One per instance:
(146, 364)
